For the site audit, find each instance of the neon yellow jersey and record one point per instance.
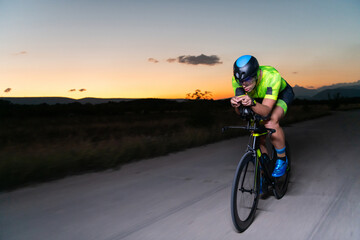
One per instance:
(269, 86)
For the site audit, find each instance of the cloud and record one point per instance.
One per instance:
(153, 60)
(7, 90)
(80, 90)
(295, 72)
(195, 60)
(21, 53)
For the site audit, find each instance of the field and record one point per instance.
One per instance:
(45, 142)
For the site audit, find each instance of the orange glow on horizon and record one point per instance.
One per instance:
(166, 81)
(222, 92)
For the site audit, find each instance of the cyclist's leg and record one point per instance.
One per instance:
(278, 137)
(278, 140)
(262, 141)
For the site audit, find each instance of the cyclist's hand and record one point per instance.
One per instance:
(235, 101)
(246, 100)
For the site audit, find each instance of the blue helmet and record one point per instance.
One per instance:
(245, 67)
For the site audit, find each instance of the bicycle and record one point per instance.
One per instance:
(246, 184)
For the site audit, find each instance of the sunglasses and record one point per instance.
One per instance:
(247, 80)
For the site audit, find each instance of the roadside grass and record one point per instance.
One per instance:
(299, 113)
(351, 106)
(36, 149)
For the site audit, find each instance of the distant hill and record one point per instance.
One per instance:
(60, 100)
(344, 90)
(340, 85)
(304, 93)
(63, 100)
(103, 100)
(38, 100)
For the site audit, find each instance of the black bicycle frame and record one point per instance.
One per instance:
(257, 130)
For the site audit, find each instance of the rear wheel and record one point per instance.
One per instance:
(245, 192)
(281, 183)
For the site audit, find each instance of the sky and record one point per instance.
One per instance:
(166, 49)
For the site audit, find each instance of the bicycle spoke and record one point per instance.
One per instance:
(246, 167)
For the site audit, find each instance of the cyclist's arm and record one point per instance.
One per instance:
(272, 92)
(239, 92)
(264, 109)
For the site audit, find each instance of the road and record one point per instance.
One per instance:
(186, 195)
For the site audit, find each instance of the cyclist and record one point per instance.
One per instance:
(268, 94)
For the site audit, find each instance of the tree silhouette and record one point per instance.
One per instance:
(198, 95)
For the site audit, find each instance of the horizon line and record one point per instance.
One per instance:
(180, 98)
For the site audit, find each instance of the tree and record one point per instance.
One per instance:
(198, 95)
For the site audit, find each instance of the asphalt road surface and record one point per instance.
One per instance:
(186, 195)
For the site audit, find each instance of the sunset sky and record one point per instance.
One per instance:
(165, 49)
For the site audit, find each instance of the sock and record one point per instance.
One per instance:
(281, 151)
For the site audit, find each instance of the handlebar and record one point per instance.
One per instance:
(248, 114)
(258, 129)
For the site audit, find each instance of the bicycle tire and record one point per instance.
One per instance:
(246, 185)
(281, 183)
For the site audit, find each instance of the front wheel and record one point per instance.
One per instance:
(245, 192)
(281, 183)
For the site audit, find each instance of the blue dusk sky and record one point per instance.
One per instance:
(165, 49)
